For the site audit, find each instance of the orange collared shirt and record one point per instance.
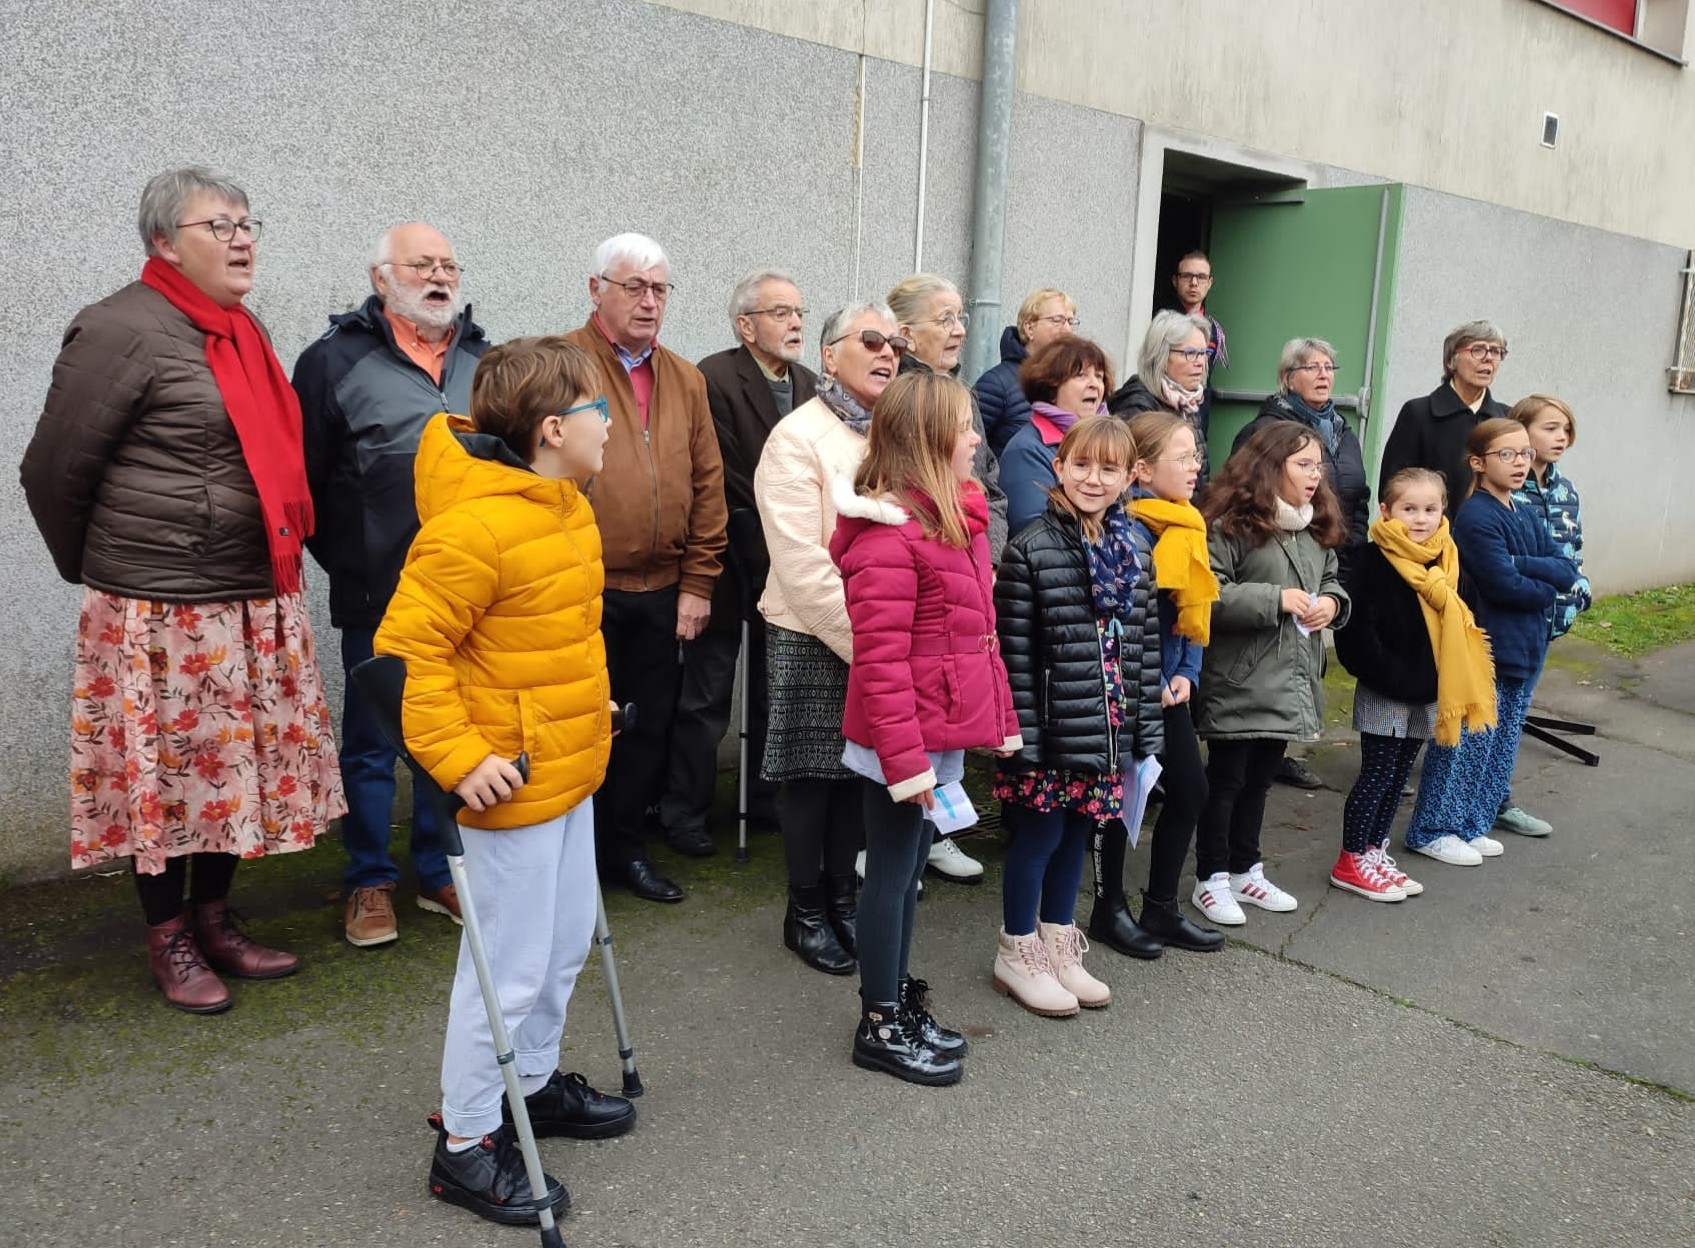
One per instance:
(429, 356)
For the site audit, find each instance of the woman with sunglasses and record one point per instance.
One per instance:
(1306, 377)
(1431, 430)
(1171, 376)
(810, 644)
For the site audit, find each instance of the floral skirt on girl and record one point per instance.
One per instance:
(1047, 789)
(197, 728)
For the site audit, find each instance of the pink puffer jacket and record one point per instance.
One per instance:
(927, 672)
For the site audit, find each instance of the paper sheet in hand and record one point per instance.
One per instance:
(1139, 781)
(953, 811)
(1304, 631)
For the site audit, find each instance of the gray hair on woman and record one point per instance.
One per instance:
(911, 296)
(1168, 330)
(640, 250)
(1464, 336)
(1298, 352)
(167, 194)
(835, 323)
(746, 294)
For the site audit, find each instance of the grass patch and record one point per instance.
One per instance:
(1633, 624)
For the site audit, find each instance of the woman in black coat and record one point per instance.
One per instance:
(1082, 653)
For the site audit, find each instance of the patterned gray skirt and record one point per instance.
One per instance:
(808, 684)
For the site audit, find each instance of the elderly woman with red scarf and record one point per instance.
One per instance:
(166, 476)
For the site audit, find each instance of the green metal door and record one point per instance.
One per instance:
(1304, 264)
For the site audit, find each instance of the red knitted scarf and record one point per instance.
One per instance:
(263, 408)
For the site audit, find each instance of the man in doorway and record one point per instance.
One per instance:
(749, 387)
(659, 502)
(366, 389)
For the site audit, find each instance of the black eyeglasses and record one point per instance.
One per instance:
(874, 341)
(223, 229)
(425, 269)
(1194, 354)
(637, 288)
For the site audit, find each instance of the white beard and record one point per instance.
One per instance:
(428, 317)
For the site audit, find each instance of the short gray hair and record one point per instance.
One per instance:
(640, 250)
(1464, 336)
(167, 194)
(847, 316)
(911, 296)
(1168, 330)
(745, 297)
(1295, 353)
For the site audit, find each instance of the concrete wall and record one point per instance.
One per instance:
(528, 131)
(1588, 316)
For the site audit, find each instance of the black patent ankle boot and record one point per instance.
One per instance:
(1162, 919)
(887, 1041)
(915, 1003)
(1110, 922)
(808, 933)
(841, 907)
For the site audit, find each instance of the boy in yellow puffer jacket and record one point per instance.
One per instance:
(498, 619)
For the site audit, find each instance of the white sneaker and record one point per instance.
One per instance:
(859, 870)
(1488, 846)
(1253, 887)
(1212, 898)
(1378, 856)
(950, 860)
(1450, 849)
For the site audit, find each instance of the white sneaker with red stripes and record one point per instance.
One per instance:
(1252, 887)
(1212, 898)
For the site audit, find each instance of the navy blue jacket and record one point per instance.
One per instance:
(1027, 472)
(1513, 575)
(999, 396)
(363, 405)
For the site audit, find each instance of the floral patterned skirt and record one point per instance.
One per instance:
(1048, 789)
(197, 728)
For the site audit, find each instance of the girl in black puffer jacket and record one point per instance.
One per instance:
(1072, 607)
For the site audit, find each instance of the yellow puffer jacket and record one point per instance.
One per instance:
(498, 618)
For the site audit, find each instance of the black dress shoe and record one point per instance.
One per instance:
(568, 1106)
(1164, 921)
(691, 842)
(1111, 925)
(642, 880)
(489, 1179)
(1292, 771)
(887, 1041)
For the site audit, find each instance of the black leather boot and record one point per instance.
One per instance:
(915, 1003)
(1162, 919)
(887, 1041)
(841, 907)
(809, 934)
(1110, 922)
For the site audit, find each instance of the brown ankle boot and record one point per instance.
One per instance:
(181, 971)
(229, 950)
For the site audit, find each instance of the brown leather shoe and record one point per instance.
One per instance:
(232, 951)
(180, 970)
(370, 916)
(443, 900)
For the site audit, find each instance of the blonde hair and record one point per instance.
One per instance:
(1103, 439)
(1527, 409)
(909, 452)
(1406, 478)
(1031, 308)
(1151, 432)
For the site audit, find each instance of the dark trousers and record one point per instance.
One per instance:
(823, 823)
(161, 894)
(1044, 866)
(897, 845)
(641, 659)
(367, 773)
(1184, 777)
(1385, 764)
(703, 716)
(1239, 774)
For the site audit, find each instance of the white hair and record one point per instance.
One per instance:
(640, 250)
(1168, 330)
(745, 297)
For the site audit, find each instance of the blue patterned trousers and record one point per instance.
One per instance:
(1462, 786)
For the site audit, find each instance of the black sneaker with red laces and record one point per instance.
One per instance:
(489, 1179)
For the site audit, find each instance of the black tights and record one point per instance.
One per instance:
(1185, 779)
(897, 845)
(161, 894)
(1239, 774)
(823, 822)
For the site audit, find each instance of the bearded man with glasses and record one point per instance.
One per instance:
(659, 502)
(367, 388)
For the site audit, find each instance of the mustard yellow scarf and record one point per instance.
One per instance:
(1465, 673)
(1181, 567)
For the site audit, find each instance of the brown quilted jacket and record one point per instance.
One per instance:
(135, 474)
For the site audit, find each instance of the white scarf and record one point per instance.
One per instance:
(1291, 519)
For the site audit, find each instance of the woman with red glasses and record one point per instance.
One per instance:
(1431, 430)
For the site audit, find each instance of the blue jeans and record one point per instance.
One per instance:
(367, 774)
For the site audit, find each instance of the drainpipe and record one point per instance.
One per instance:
(923, 137)
(988, 213)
